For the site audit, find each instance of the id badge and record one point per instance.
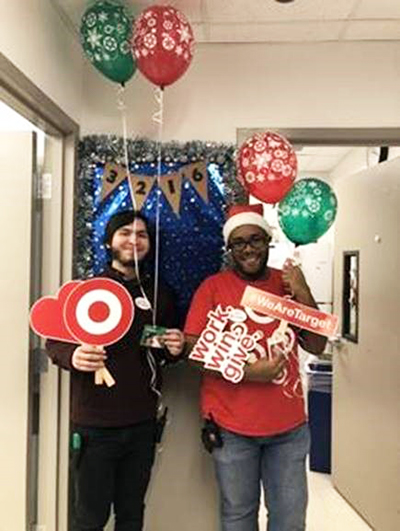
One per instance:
(152, 336)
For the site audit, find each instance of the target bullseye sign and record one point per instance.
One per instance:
(99, 311)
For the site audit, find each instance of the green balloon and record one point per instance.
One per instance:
(106, 32)
(307, 211)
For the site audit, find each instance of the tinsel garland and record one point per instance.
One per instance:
(99, 149)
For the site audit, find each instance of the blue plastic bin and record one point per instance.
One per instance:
(320, 415)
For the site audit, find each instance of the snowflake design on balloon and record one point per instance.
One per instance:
(125, 47)
(150, 40)
(277, 165)
(287, 170)
(313, 206)
(91, 20)
(168, 42)
(94, 38)
(280, 154)
(103, 16)
(184, 33)
(110, 44)
(274, 143)
(260, 145)
(262, 160)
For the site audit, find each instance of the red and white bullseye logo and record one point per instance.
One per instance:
(99, 311)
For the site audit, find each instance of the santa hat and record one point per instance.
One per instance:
(239, 215)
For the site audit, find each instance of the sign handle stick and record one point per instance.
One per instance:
(103, 376)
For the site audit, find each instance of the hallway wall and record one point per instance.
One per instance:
(230, 86)
(35, 39)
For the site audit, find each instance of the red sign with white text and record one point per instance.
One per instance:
(297, 314)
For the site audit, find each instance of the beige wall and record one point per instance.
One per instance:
(34, 38)
(258, 85)
(366, 392)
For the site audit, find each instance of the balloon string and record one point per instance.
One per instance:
(122, 108)
(158, 117)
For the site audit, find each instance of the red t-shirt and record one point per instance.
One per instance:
(248, 408)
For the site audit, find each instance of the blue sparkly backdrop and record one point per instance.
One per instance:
(191, 245)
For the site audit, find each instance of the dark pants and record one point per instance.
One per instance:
(113, 468)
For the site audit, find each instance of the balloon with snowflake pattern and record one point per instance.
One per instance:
(163, 44)
(106, 31)
(307, 211)
(267, 166)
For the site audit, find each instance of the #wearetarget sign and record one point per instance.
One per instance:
(292, 312)
(97, 311)
(228, 350)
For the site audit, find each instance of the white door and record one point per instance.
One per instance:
(366, 387)
(16, 169)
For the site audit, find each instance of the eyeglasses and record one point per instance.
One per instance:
(256, 242)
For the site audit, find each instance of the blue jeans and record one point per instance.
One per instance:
(278, 463)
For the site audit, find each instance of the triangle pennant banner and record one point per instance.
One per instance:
(113, 176)
(141, 187)
(196, 173)
(171, 185)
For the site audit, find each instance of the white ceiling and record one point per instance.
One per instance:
(300, 21)
(270, 21)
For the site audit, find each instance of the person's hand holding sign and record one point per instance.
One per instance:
(265, 369)
(295, 282)
(88, 358)
(174, 341)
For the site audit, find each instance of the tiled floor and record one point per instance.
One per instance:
(327, 510)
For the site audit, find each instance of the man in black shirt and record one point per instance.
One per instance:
(115, 427)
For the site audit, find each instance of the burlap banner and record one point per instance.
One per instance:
(170, 183)
(113, 176)
(196, 173)
(141, 187)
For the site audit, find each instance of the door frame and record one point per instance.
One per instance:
(21, 94)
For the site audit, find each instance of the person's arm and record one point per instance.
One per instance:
(295, 282)
(60, 353)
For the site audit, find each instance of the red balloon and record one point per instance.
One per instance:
(163, 44)
(267, 166)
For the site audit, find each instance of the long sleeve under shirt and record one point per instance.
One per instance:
(131, 399)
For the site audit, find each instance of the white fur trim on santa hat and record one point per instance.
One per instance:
(245, 218)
